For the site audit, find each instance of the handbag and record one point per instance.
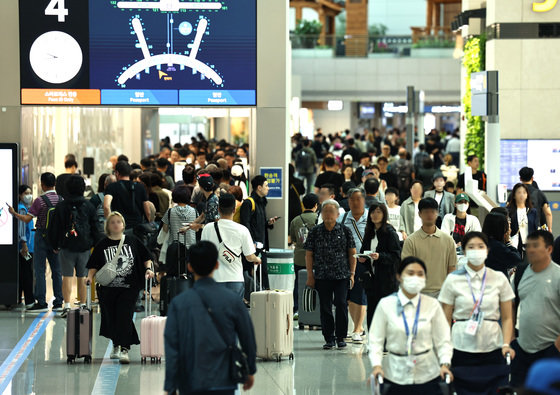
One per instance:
(108, 272)
(238, 365)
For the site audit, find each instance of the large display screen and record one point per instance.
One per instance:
(138, 53)
(541, 155)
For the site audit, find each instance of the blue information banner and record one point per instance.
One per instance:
(217, 97)
(274, 177)
(139, 97)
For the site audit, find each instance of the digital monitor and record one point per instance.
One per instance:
(138, 53)
(543, 156)
(367, 110)
(9, 248)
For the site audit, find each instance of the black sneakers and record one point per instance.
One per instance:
(37, 308)
(329, 345)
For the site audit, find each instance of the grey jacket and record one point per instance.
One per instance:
(447, 204)
(407, 217)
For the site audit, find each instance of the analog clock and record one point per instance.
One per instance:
(56, 57)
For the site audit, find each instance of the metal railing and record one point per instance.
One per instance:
(367, 46)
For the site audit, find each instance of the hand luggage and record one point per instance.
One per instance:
(171, 286)
(79, 331)
(308, 300)
(271, 313)
(152, 328)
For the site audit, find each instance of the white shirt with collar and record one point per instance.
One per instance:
(433, 337)
(456, 292)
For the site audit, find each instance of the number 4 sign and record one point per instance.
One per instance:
(57, 8)
(544, 6)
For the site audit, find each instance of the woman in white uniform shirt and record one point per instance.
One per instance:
(415, 333)
(478, 298)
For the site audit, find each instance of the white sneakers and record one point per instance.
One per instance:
(356, 338)
(115, 353)
(123, 358)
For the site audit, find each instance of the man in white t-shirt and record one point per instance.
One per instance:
(231, 239)
(394, 210)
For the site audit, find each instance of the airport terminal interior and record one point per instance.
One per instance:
(308, 129)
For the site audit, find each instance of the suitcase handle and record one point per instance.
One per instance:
(289, 323)
(88, 295)
(148, 299)
(255, 277)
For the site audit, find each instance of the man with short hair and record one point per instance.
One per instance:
(70, 167)
(352, 150)
(431, 245)
(331, 267)
(43, 250)
(127, 197)
(371, 188)
(473, 162)
(306, 162)
(385, 174)
(329, 176)
(326, 192)
(231, 239)
(538, 292)
(74, 232)
(202, 324)
(257, 222)
(445, 200)
(404, 172)
(299, 230)
(162, 166)
(538, 198)
(356, 220)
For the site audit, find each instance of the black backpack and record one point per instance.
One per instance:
(76, 229)
(517, 280)
(404, 175)
(304, 162)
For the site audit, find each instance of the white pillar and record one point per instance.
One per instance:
(492, 156)
(269, 141)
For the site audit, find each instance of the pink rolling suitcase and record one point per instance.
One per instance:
(79, 331)
(151, 332)
(271, 313)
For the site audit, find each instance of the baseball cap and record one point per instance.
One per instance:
(348, 157)
(437, 175)
(462, 196)
(544, 376)
(206, 182)
(367, 172)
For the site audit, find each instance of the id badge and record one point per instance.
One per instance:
(410, 363)
(473, 324)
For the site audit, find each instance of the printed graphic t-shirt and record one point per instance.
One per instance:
(130, 265)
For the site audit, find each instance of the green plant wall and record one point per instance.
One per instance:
(474, 61)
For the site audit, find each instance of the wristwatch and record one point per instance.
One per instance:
(447, 365)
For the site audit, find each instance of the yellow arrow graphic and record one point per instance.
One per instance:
(161, 74)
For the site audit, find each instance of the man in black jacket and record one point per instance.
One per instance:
(257, 222)
(74, 231)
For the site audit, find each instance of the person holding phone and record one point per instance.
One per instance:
(26, 238)
(413, 329)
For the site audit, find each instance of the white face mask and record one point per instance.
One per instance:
(477, 257)
(463, 207)
(27, 199)
(413, 284)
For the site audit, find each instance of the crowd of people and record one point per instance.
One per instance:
(387, 236)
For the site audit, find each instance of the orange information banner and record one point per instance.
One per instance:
(61, 96)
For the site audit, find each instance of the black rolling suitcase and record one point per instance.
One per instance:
(172, 285)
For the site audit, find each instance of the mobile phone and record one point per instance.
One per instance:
(277, 218)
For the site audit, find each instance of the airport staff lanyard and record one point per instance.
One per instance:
(477, 304)
(411, 336)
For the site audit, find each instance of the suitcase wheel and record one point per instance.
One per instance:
(70, 360)
(159, 360)
(143, 360)
(301, 327)
(278, 358)
(291, 356)
(87, 359)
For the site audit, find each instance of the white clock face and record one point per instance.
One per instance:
(56, 57)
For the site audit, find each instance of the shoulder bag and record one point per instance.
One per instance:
(238, 365)
(108, 272)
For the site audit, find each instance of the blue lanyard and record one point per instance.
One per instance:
(478, 303)
(415, 326)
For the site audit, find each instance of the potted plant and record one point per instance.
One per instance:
(308, 33)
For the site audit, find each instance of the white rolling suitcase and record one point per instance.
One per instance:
(152, 328)
(271, 313)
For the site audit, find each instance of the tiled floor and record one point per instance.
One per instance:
(45, 371)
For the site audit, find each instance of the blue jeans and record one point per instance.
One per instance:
(238, 288)
(43, 252)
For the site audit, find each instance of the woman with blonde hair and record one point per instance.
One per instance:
(117, 298)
